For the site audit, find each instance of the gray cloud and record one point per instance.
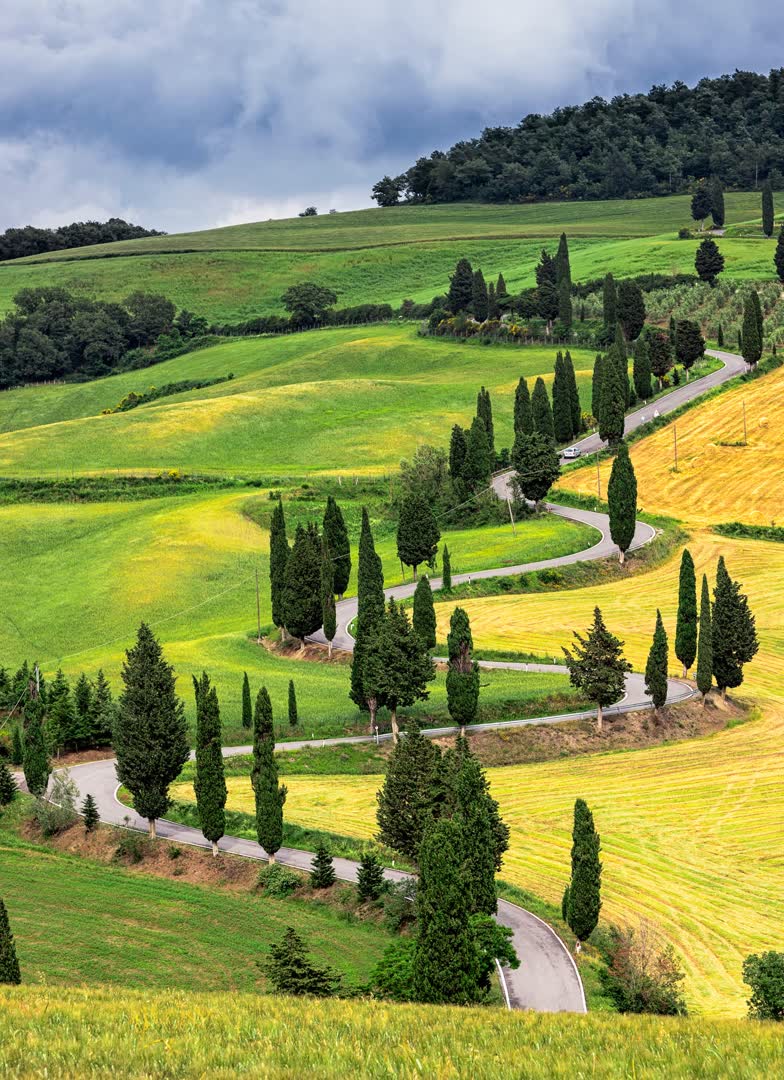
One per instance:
(188, 113)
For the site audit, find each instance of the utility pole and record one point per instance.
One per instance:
(675, 444)
(258, 610)
(511, 515)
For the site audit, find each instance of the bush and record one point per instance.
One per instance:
(399, 906)
(551, 577)
(393, 975)
(684, 233)
(643, 976)
(277, 881)
(132, 848)
(765, 975)
(58, 812)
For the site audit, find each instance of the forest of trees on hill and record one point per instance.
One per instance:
(16, 243)
(635, 145)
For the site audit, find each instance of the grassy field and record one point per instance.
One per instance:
(711, 445)
(97, 1031)
(76, 921)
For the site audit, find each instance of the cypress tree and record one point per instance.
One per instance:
(612, 402)
(585, 886)
(7, 784)
(405, 801)
(752, 343)
(17, 747)
(446, 966)
(472, 814)
(90, 814)
(478, 463)
(417, 532)
(537, 466)
(656, 666)
(457, 452)
(36, 764)
(740, 342)
(659, 352)
(424, 613)
(370, 878)
(500, 287)
(541, 410)
(279, 554)
(329, 624)
(302, 584)
(462, 678)
(446, 571)
(562, 406)
(398, 666)
(484, 410)
(596, 386)
(151, 733)
(293, 718)
(778, 257)
(622, 501)
(758, 312)
(631, 309)
(493, 311)
(686, 626)
(641, 370)
(716, 194)
(247, 707)
(700, 203)
(597, 666)
(104, 712)
(767, 209)
(705, 644)
(322, 868)
(563, 268)
(209, 784)
(269, 794)
(734, 634)
(479, 296)
(461, 288)
(336, 538)
(720, 337)
(709, 261)
(9, 965)
(523, 417)
(609, 302)
(370, 608)
(618, 355)
(574, 394)
(689, 343)
(565, 314)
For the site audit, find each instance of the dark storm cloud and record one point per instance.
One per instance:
(186, 113)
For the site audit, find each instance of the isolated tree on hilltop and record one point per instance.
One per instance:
(622, 501)
(597, 666)
(269, 794)
(417, 533)
(308, 302)
(209, 784)
(424, 613)
(734, 633)
(656, 666)
(336, 536)
(686, 626)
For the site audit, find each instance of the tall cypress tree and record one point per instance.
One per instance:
(247, 706)
(457, 452)
(484, 410)
(612, 402)
(329, 624)
(424, 613)
(493, 310)
(150, 733)
(446, 570)
(686, 626)
(656, 666)
(610, 302)
(565, 313)
(9, 964)
(293, 714)
(716, 194)
(446, 965)
(479, 296)
(462, 678)
(734, 633)
(574, 394)
(461, 288)
(641, 370)
(279, 554)
(767, 209)
(562, 406)
(620, 358)
(596, 386)
(597, 666)
(104, 712)
(585, 887)
(760, 318)
(370, 608)
(302, 584)
(336, 537)
(478, 463)
(209, 784)
(631, 309)
(778, 257)
(472, 813)
(562, 265)
(705, 644)
(752, 343)
(398, 666)
(7, 784)
(523, 417)
(541, 410)
(405, 801)
(36, 764)
(500, 287)
(417, 532)
(269, 794)
(622, 501)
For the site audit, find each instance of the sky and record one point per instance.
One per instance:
(188, 114)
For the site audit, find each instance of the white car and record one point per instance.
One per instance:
(572, 452)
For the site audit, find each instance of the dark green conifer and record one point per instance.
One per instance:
(562, 406)
(457, 452)
(705, 644)
(565, 314)
(90, 814)
(778, 257)
(716, 195)
(752, 343)
(322, 868)
(597, 666)
(630, 309)
(370, 608)
(659, 352)
(584, 898)
(700, 204)
(709, 261)
(62, 730)
(484, 410)
(7, 784)
(290, 970)
(405, 801)
(329, 623)
(734, 634)
(461, 288)
(478, 463)
(36, 764)
(209, 784)
(523, 417)
(720, 337)
(336, 538)
(610, 301)
(574, 394)
(17, 746)
(446, 570)
(767, 209)
(479, 296)
(541, 410)
(424, 613)
(269, 794)
(612, 402)
(247, 705)
(596, 386)
(686, 626)
(493, 311)
(302, 584)
(462, 679)
(398, 666)
(417, 532)
(370, 878)
(279, 554)
(293, 717)
(622, 501)
(104, 712)
(656, 666)
(537, 466)
(9, 965)
(563, 268)
(151, 733)
(500, 287)
(473, 815)
(689, 343)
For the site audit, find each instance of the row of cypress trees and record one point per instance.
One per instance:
(469, 294)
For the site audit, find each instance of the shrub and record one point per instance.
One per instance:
(399, 908)
(277, 881)
(684, 233)
(765, 975)
(132, 848)
(551, 577)
(643, 976)
(393, 975)
(58, 812)
(173, 851)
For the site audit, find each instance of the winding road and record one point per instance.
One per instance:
(547, 979)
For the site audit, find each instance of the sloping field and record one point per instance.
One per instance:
(719, 478)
